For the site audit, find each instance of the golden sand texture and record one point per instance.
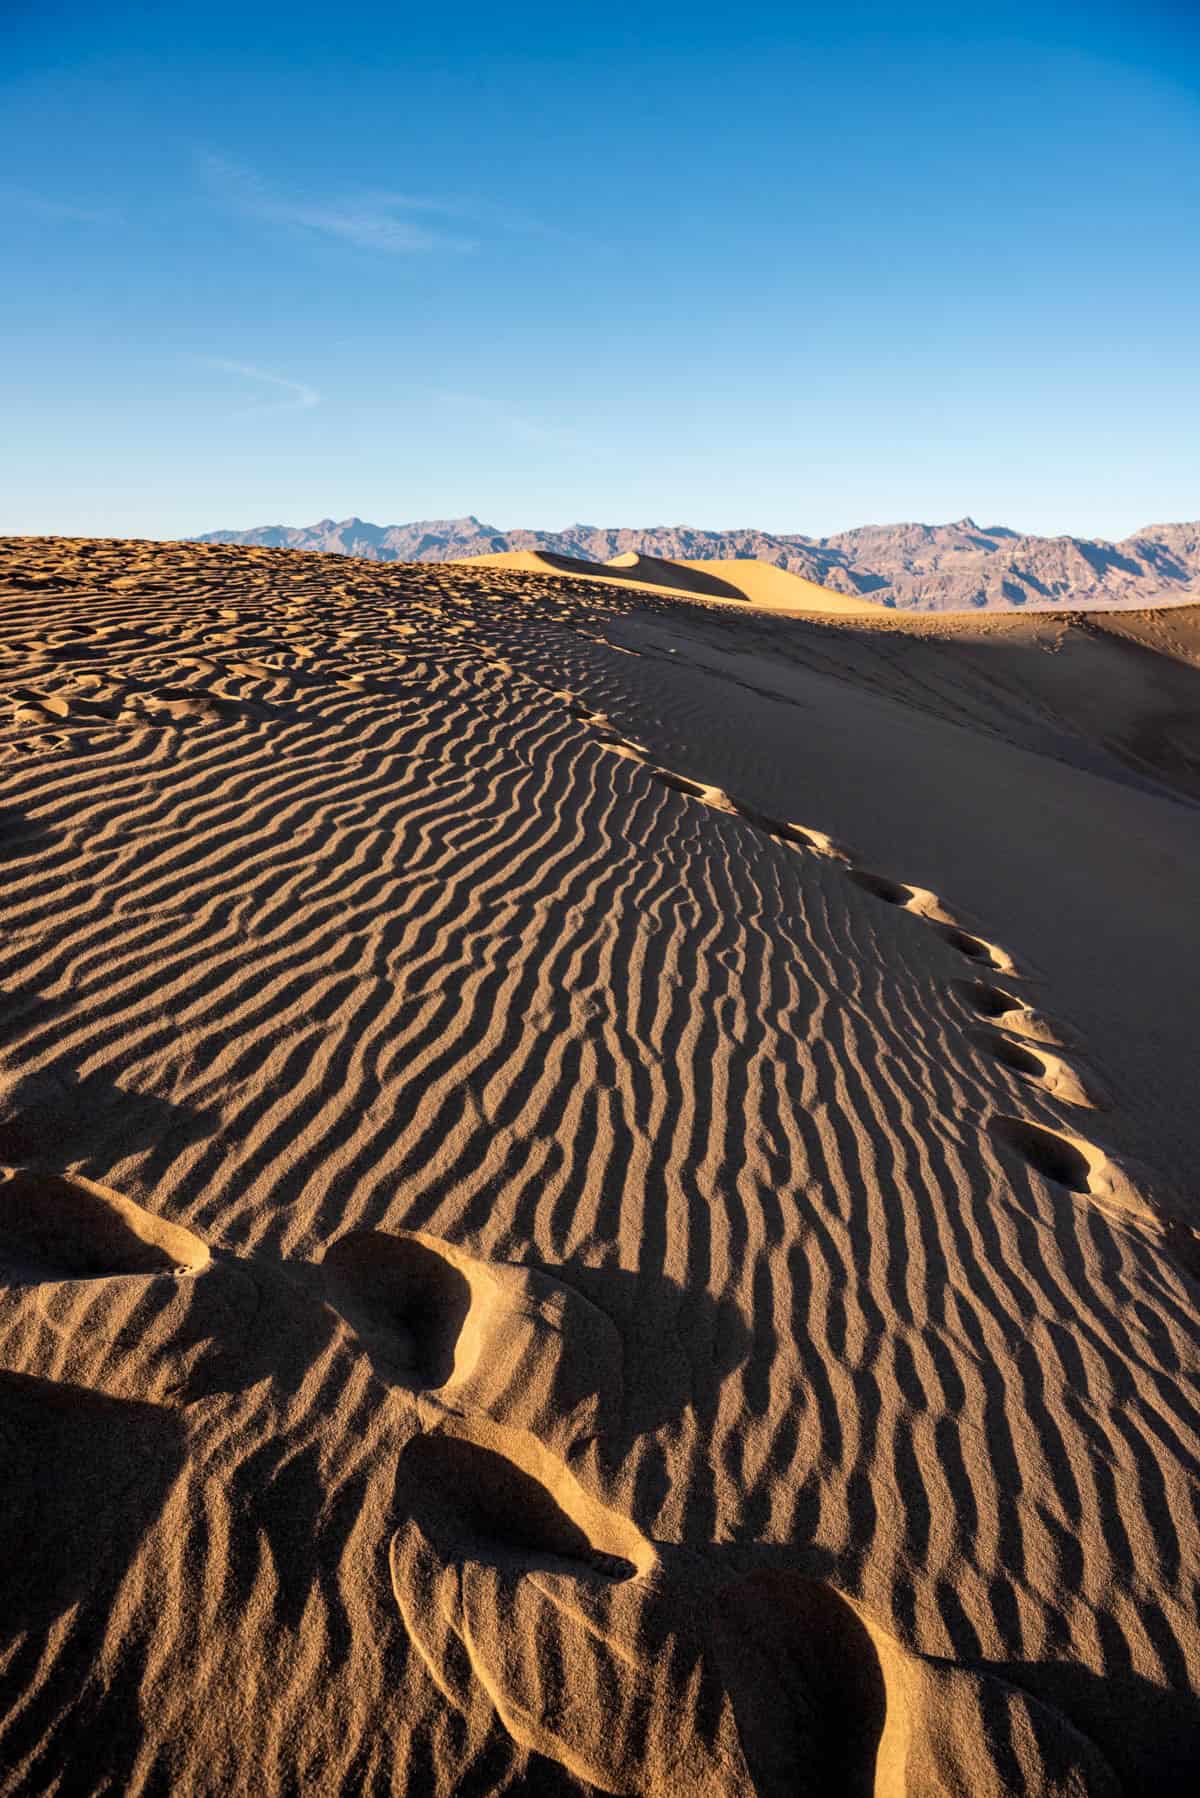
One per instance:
(597, 1189)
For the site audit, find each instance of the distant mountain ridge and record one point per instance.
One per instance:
(916, 567)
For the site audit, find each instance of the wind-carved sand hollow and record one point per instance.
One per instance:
(641, 1668)
(486, 1336)
(63, 1227)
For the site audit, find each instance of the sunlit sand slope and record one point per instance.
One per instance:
(763, 584)
(596, 1190)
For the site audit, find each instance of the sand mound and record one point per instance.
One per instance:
(669, 577)
(763, 584)
(634, 572)
(662, 1126)
(742, 582)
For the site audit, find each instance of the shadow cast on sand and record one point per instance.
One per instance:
(679, 1346)
(85, 1478)
(1149, 1735)
(22, 835)
(57, 1116)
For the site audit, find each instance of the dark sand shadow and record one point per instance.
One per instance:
(58, 1116)
(83, 1478)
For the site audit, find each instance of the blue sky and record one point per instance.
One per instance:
(802, 268)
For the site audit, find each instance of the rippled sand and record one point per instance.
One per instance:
(599, 1190)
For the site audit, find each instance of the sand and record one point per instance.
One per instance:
(597, 1187)
(760, 584)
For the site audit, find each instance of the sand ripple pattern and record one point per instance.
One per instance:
(355, 904)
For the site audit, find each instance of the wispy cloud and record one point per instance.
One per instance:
(370, 220)
(295, 396)
(518, 426)
(24, 199)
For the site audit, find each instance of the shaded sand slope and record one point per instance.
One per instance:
(596, 1191)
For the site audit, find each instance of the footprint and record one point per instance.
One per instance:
(517, 1587)
(919, 900)
(501, 1494)
(627, 749)
(483, 1336)
(198, 702)
(805, 838)
(679, 783)
(642, 1668)
(1066, 1160)
(576, 707)
(62, 1227)
(893, 892)
(990, 955)
(1051, 1072)
(30, 747)
(927, 905)
(31, 707)
(1115, 1185)
(800, 835)
(785, 830)
(1010, 1012)
(899, 1724)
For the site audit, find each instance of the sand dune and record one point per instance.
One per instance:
(763, 584)
(948, 567)
(742, 582)
(596, 1188)
(631, 571)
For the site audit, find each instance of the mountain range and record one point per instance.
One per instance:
(916, 567)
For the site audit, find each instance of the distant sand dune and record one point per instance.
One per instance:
(743, 582)
(596, 1187)
(763, 584)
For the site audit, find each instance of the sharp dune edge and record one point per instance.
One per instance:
(596, 1190)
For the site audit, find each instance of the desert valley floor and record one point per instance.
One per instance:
(598, 1191)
